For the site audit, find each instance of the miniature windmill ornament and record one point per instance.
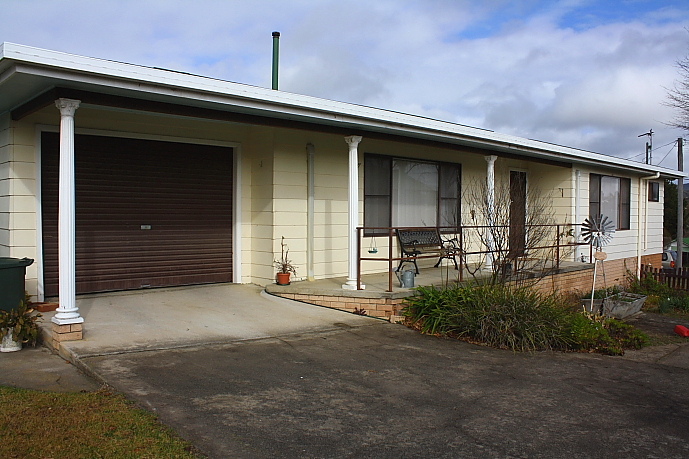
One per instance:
(598, 231)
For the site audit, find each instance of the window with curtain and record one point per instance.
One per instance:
(414, 193)
(610, 196)
(377, 199)
(409, 193)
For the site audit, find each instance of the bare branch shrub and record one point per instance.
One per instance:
(678, 96)
(519, 249)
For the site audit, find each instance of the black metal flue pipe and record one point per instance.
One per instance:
(276, 58)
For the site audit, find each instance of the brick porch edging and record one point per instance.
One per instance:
(374, 307)
(386, 304)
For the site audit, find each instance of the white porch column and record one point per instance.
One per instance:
(353, 142)
(490, 190)
(577, 207)
(67, 313)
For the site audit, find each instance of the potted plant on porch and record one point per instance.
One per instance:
(284, 265)
(18, 326)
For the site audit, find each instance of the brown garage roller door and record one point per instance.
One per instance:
(148, 213)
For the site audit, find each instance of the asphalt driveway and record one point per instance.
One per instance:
(377, 390)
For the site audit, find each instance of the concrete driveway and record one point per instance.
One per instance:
(361, 388)
(141, 320)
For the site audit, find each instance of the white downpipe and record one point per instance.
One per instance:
(641, 218)
(490, 189)
(310, 203)
(67, 313)
(353, 211)
(577, 212)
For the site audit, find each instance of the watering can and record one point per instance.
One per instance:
(406, 277)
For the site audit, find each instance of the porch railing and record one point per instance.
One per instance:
(457, 233)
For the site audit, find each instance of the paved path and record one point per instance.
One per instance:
(39, 368)
(383, 391)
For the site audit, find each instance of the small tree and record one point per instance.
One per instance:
(678, 96)
(518, 249)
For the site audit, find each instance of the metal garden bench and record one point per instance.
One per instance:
(418, 242)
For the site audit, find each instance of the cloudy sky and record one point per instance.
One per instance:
(583, 73)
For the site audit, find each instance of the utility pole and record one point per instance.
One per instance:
(648, 153)
(649, 146)
(680, 205)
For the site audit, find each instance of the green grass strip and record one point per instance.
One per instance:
(87, 425)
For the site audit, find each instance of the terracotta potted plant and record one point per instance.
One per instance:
(284, 265)
(18, 327)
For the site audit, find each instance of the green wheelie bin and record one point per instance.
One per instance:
(12, 274)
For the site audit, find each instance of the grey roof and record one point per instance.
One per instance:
(26, 72)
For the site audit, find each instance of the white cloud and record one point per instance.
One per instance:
(561, 72)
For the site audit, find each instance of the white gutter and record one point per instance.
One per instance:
(639, 220)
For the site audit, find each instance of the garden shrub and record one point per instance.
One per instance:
(519, 319)
(675, 302)
(432, 307)
(602, 293)
(596, 333)
(589, 333)
(660, 295)
(626, 335)
(647, 285)
(652, 302)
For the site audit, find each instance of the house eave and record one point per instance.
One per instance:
(36, 71)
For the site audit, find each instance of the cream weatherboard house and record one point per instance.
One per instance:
(116, 176)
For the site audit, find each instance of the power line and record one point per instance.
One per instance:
(673, 143)
(669, 151)
(656, 148)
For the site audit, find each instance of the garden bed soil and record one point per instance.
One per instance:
(655, 324)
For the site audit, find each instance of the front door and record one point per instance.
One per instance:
(517, 214)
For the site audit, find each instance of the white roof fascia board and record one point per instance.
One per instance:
(535, 148)
(5, 75)
(169, 83)
(263, 96)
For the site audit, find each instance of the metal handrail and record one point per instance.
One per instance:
(457, 230)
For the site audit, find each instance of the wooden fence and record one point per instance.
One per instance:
(677, 279)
